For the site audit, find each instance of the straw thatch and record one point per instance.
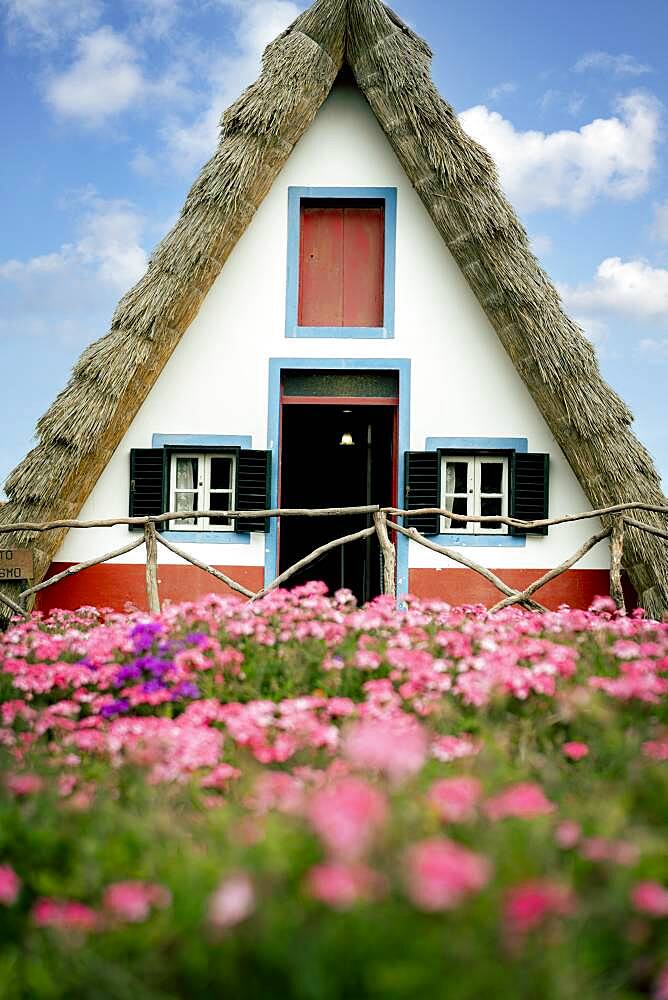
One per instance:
(456, 180)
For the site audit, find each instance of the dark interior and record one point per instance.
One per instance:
(317, 470)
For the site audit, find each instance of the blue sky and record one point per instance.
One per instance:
(110, 107)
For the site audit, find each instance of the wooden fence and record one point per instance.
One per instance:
(384, 522)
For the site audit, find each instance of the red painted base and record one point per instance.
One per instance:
(116, 585)
(577, 587)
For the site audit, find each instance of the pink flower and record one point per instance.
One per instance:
(650, 897)
(620, 852)
(341, 885)
(10, 885)
(347, 815)
(661, 986)
(66, 784)
(441, 874)
(24, 784)
(65, 915)
(525, 801)
(575, 751)
(220, 776)
(656, 749)
(455, 799)
(527, 905)
(132, 901)
(568, 834)
(341, 707)
(396, 746)
(603, 605)
(367, 660)
(449, 748)
(232, 902)
(277, 790)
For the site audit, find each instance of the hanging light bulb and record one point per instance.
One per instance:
(346, 439)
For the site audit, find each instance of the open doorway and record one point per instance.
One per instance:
(336, 453)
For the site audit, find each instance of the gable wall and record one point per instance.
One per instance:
(463, 383)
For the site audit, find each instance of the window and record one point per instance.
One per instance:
(202, 482)
(341, 262)
(192, 473)
(475, 485)
(482, 477)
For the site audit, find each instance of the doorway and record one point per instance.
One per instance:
(336, 452)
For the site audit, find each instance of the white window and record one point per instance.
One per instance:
(474, 485)
(202, 482)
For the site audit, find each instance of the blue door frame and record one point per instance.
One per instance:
(276, 366)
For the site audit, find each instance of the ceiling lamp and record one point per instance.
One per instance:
(346, 439)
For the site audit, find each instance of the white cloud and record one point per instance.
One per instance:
(54, 293)
(106, 78)
(630, 288)
(660, 224)
(571, 100)
(541, 244)
(611, 157)
(47, 22)
(110, 241)
(501, 89)
(620, 65)
(596, 330)
(258, 22)
(143, 164)
(574, 103)
(157, 18)
(657, 349)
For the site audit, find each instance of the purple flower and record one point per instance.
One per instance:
(196, 638)
(153, 685)
(144, 634)
(130, 672)
(186, 689)
(115, 708)
(153, 665)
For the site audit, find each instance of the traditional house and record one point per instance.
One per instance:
(347, 311)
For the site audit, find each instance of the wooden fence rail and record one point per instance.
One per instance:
(381, 527)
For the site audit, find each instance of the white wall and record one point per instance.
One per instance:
(463, 383)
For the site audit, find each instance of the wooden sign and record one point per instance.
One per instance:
(16, 564)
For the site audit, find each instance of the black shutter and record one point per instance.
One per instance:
(253, 481)
(146, 483)
(529, 490)
(423, 489)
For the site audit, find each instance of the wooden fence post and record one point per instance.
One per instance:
(152, 591)
(13, 606)
(389, 554)
(616, 551)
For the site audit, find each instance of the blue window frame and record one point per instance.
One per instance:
(200, 442)
(466, 445)
(295, 197)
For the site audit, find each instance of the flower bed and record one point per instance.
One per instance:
(303, 799)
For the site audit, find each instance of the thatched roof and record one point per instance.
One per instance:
(457, 182)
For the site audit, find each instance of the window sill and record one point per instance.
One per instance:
(480, 541)
(341, 332)
(208, 537)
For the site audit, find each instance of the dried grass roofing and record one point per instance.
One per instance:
(457, 182)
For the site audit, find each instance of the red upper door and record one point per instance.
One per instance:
(342, 264)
